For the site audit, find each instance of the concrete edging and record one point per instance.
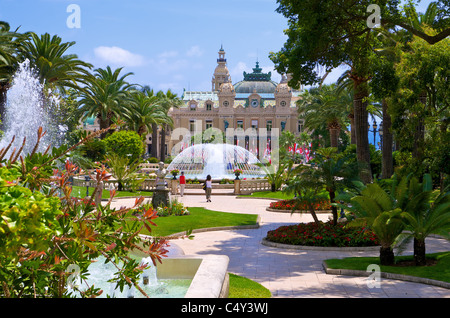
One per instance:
(360, 273)
(319, 248)
(219, 228)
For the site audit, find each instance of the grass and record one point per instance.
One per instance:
(199, 218)
(440, 271)
(269, 195)
(81, 192)
(242, 287)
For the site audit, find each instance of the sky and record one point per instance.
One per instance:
(170, 44)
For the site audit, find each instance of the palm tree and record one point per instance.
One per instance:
(427, 212)
(105, 96)
(335, 172)
(167, 101)
(325, 107)
(55, 67)
(145, 112)
(380, 210)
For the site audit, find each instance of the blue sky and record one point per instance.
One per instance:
(166, 44)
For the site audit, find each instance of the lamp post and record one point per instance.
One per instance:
(374, 125)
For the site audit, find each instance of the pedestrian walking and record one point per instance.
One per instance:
(208, 188)
(182, 183)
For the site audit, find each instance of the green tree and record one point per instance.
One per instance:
(325, 108)
(428, 212)
(126, 144)
(56, 68)
(145, 112)
(105, 96)
(167, 101)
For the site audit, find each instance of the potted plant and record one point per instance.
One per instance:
(174, 173)
(237, 173)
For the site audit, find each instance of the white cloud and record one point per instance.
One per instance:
(194, 51)
(118, 56)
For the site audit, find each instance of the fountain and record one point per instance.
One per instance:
(26, 110)
(217, 160)
(177, 277)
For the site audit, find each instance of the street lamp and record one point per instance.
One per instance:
(374, 125)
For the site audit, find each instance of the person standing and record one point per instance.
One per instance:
(182, 183)
(208, 189)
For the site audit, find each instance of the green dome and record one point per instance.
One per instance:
(260, 87)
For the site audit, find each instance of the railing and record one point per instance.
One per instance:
(146, 185)
(249, 186)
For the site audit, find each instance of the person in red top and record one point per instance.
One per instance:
(182, 183)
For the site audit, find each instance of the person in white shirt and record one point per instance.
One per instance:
(208, 189)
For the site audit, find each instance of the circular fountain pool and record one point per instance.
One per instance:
(217, 160)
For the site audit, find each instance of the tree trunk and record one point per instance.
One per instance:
(163, 143)
(333, 208)
(154, 152)
(419, 252)
(334, 137)
(361, 130)
(419, 133)
(104, 123)
(313, 213)
(387, 165)
(352, 129)
(386, 256)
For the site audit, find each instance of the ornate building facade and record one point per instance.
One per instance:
(252, 103)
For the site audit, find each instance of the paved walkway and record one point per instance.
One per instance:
(289, 273)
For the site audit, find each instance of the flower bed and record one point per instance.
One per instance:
(289, 204)
(324, 234)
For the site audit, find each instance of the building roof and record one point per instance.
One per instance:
(192, 95)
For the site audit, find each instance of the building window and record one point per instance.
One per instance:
(208, 106)
(283, 103)
(193, 106)
(191, 126)
(226, 103)
(255, 123)
(300, 126)
(269, 125)
(240, 124)
(208, 124)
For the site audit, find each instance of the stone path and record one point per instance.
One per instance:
(290, 273)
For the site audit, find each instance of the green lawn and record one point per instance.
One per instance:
(199, 218)
(269, 195)
(242, 287)
(440, 271)
(78, 191)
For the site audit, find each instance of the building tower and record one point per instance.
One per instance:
(221, 73)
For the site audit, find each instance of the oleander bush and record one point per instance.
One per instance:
(323, 234)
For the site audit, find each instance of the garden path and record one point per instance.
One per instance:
(290, 273)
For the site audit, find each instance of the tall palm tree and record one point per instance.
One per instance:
(325, 107)
(144, 112)
(105, 96)
(55, 67)
(167, 101)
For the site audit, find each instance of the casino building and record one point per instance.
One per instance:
(254, 102)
